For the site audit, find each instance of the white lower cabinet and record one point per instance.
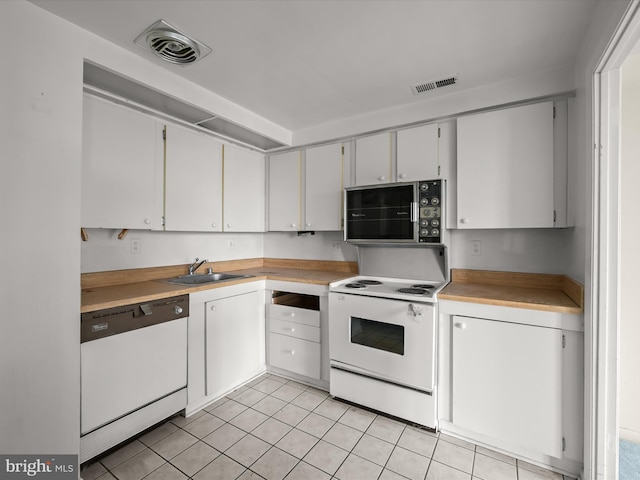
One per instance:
(511, 379)
(507, 382)
(234, 343)
(226, 341)
(294, 334)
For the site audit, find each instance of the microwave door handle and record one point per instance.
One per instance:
(414, 212)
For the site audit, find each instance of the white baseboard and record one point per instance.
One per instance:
(629, 435)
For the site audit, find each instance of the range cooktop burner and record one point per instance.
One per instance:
(424, 287)
(355, 285)
(414, 291)
(370, 282)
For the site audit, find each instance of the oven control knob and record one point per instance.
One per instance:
(435, 232)
(424, 187)
(424, 201)
(424, 232)
(177, 310)
(435, 201)
(435, 222)
(424, 223)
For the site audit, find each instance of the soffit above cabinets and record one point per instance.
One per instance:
(125, 88)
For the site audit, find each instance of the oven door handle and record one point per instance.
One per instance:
(414, 212)
(416, 311)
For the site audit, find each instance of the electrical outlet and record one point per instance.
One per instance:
(476, 248)
(231, 244)
(135, 246)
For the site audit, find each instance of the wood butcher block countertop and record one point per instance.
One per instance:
(554, 293)
(122, 287)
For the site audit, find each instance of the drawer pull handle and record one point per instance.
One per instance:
(292, 314)
(290, 352)
(290, 329)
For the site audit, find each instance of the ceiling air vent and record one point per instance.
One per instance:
(434, 84)
(171, 45)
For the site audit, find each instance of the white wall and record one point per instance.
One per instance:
(41, 135)
(321, 246)
(104, 251)
(41, 106)
(600, 442)
(630, 252)
(519, 250)
(440, 105)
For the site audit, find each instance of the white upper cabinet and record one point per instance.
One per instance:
(323, 187)
(193, 181)
(121, 167)
(506, 168)
(373, 159)
(408, 155)
(305, 189)
(417, 153)
(244, 190)
(284, 192)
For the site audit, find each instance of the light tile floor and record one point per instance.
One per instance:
(278, 429)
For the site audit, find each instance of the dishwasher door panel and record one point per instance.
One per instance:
(124, 372)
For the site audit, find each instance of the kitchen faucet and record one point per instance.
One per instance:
(195, 265)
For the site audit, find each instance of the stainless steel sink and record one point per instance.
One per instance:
(204, 278)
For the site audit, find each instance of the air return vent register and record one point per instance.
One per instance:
(431, 85)
(171, 45)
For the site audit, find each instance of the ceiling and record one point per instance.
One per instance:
(309, 62)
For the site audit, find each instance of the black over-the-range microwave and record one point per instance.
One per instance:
(403, 213)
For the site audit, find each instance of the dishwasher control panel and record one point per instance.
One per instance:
(115, 320)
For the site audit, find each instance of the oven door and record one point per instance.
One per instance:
(392, 340)
(381, 214)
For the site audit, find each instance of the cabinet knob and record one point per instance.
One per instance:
(292, 314)
(464, 220)
(290, 329)
(213, 225)
(382, 178)
(293, 225)
(291, 352)
(213, 307)
(460, 325)
(147, 221)
(228, 225)
(402, 175)
(308, 224)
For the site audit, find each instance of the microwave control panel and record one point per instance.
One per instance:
(430, 223)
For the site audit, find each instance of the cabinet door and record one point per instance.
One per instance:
(507, 382)
(373, 159)
(244, 185)
(121, 170)
(193, 181)
(417, 153)
(323, 188)
(505, 168)
(235, 341)
(284, 192)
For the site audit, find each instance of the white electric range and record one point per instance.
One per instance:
(382, 331)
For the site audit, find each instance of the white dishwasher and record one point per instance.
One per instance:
(133, 362)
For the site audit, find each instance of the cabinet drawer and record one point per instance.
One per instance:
(295, 314)
(292, 329)
(295, 355)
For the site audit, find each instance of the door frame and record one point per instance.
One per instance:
(602, 367)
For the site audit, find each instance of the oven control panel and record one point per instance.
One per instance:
(430, 217)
